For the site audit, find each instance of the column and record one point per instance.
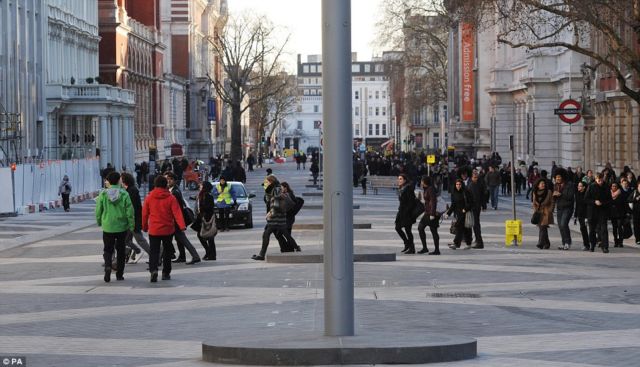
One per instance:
(104, 139)
(115, 139)
(127, 135)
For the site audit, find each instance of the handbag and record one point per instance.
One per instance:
(209, 229)
(468, 220)
(453, 228)
(536, 217)
(188, 215)
(418, 210)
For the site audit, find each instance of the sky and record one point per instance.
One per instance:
(301, 18)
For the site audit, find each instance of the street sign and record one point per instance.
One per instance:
(431, 159)
(569, 111)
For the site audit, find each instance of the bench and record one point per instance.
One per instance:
(382, 182)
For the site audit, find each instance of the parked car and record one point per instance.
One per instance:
(241, 214)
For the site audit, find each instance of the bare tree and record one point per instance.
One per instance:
(250, 57)
(606, 31)
(420, 29)
(280, 90)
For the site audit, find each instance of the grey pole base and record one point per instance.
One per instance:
(321, 226)
(317, 257)
(372, 347)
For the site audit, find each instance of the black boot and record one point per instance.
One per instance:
(424, 250)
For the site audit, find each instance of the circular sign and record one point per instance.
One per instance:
(569, 111)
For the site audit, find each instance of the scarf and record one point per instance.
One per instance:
(541, 195)
(615, 194)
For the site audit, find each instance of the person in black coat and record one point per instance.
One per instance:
(404, 218)
(461, 203)
(430, 217)
(291, 216)
(580, 214)
(598, 200)
(129, 184)
(634, 203)
(479, 193)
(206, 210)
(619, 209)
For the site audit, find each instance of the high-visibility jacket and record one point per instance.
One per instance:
(224, 195)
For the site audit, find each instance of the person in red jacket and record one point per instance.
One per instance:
(160, 215)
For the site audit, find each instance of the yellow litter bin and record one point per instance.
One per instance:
(513, 230)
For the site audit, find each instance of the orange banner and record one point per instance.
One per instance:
(468, 86)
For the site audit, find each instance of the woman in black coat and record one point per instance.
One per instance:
(206, 209)
(461, 204)
(430, 217)
(404, 218)
(619, 209)
(291, 213)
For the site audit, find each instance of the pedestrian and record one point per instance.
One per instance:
(291, 213)
(239, 173)
(598, 199)
(461, 204)
(161, 217)
(225, 198)
(542, 198)
(430, 217)
(493, 183)
(205, 209)
(619, 209)
(315, 171)
(534, 176)
(404, 217)
(564, 200)
(279, 203)
(64, 190)
(581, 214)
(634, 203)
(303, 159)
(479, 194)
(114, 213)
(251, 160)
(180, 236)
(129, 184)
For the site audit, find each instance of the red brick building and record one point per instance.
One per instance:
(131, 57)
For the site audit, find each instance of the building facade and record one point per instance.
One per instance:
(67, 113)
(370, 101)
(194, 114)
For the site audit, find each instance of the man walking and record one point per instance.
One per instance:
(65, 190)
(128, 183)
(181, 238)
(598, 200)
(479, 194)
(564, 196)
(114, 213)
(493, 182)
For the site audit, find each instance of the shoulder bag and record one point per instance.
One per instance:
(209, 229)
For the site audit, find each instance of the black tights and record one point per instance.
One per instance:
(406, 235)
(433, 226)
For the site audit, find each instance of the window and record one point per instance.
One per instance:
(436, 141)
(317, 81)
(436, 115)
(357, 130)
(357, 111)
(305, 68)
(370, 96)
(377, 95)
(367, 68)
(370, 129)
(299, 125)
(355, 68)
(305, 92)
(314, 68)
(320, 68)
(370, 111)
(377, 111)
(384, 129)
(384, 111)
(357, 94)
(379, 68)
(316, 108)
(384, 94)
(377, 129)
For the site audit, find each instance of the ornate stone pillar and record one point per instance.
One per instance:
(105, 138)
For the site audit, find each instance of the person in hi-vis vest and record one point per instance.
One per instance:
(225, 199)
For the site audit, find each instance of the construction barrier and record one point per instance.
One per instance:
(35, 185)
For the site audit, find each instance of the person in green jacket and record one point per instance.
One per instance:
(114, 213)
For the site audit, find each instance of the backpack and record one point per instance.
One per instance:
(299, 202)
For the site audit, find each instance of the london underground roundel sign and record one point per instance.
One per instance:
(569, 111)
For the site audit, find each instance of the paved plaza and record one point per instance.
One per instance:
(526, 307)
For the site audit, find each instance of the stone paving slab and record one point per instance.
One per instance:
(525, 307)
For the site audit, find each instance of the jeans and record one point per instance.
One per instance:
(543, 237)
(406, 235)
(433, 226)
(155, 243)
(183, 242)
(114, 241)
(65, 201)
(142, 242)
(493, 190)
(598, 230)
(584, 231)
(477, 231)
(564, 217)
(277, 229)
